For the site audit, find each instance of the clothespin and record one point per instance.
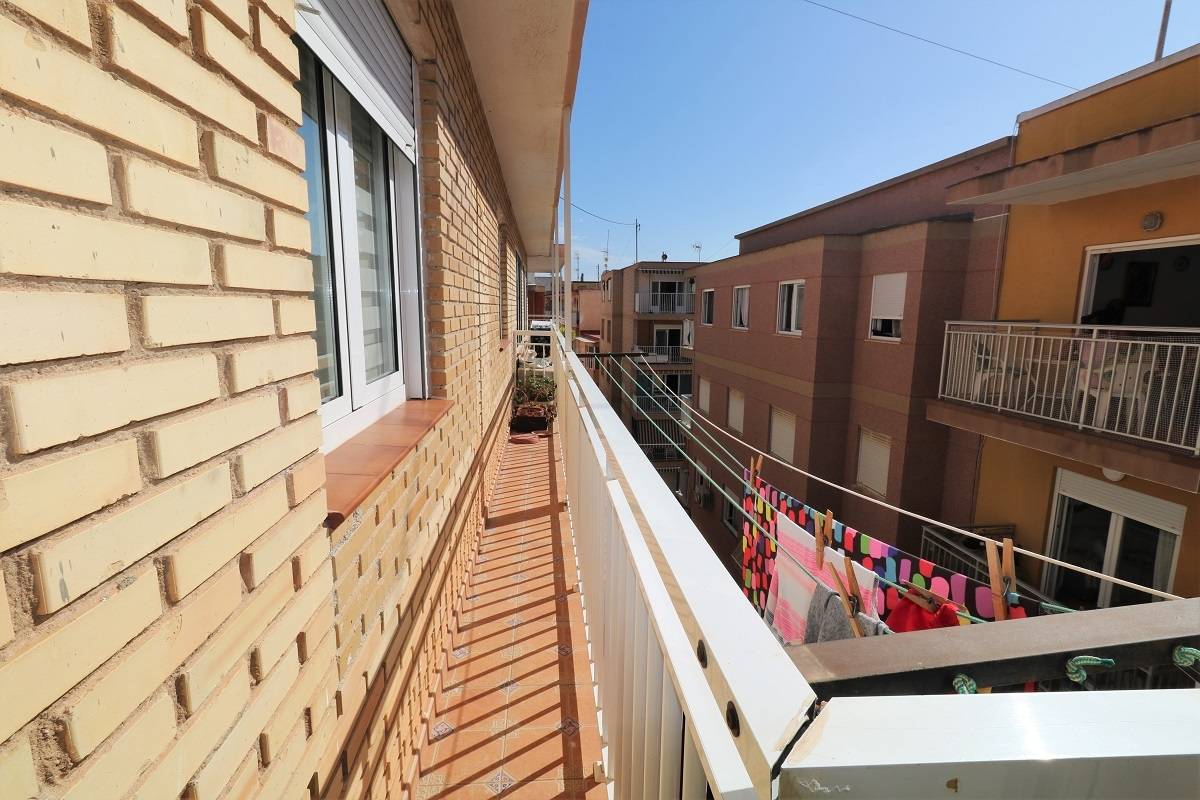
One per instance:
(923, 597)
(1008, 571)
(849, 602)
(824, 534)
(996, 580)
(852, 580)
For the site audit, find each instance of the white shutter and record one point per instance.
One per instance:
(737, 403)
(783, 434)
(1161, 514)
(887, 295)
(702, 401)
(359, 43)
(874, 453)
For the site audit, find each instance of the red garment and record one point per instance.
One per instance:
(908, 616)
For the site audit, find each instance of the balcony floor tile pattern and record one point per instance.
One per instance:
(516, 716)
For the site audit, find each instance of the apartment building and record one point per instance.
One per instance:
(643, 308)
(585, 307)
(820, 343)
(259, 268)
(1090, 405)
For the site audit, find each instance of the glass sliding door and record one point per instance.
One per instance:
(1113, 531)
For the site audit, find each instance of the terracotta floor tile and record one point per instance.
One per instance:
(517, 717)
(467, 757)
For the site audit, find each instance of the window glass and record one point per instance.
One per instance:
(372, 201)
(741, 307)
(1144, 555)
(706, 307)
(312, 130)
(791, 307)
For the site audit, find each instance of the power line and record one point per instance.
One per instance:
(597, 216)
(939, 44)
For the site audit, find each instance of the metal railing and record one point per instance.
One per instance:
(944, 550)
(1138, 383)
(658, 353)
(664, 302)
(674, 724)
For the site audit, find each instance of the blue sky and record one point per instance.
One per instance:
(706, 118)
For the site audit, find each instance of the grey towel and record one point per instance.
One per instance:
(827, 620)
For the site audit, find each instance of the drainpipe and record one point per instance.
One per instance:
(567, 316)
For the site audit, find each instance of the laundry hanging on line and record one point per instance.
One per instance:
(793, 584)
(768, 504)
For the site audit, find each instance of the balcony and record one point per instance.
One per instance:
(677, 303)
(662, 353)
(667, 683)
(1136, 384)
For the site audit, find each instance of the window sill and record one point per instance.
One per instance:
(790, 333)
(359, 465)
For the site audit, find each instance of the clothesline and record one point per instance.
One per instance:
(693, 413)
(736, 504)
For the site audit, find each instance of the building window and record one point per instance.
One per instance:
(707, 301)
(1114, 530)
(606, 290)
(783, 434)
(703, 396)
(730, 514)
(874, 454)
(741, 307)
(362, 214)
(737, 404)
(887, 305)
(791, 307)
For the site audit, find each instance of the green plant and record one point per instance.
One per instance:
(535, 389)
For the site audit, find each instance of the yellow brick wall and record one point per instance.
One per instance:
(399, 563)
(171, 618)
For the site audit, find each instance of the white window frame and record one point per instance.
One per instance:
(741, 410)
(734, 309)
(729, 512)
(865, 434)
(887, 311)
(704, 395)
(790, 455)
(708, 305)
(794, 326)
(1122, 504)
(360, 403)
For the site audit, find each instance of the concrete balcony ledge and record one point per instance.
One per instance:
(1139, 460)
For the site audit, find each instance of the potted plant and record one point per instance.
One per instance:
(533, 404)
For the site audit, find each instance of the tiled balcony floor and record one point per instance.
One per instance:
(516, 715)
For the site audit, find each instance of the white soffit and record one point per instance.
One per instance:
(525, 60)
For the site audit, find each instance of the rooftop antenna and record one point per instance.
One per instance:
(697, 247)
(607, 239)
(1162, 29)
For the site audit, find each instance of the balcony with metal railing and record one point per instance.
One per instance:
(678, 303)
(667, 683)
(1135, 383)
(663, 354)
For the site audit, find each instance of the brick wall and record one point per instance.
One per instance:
(171, 618)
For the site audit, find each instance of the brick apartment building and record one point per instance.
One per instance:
(820, 342)
(643, 308)
(234, 522)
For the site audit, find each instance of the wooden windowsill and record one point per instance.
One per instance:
(358, 466)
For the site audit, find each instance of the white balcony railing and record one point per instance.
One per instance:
(1139, 383)
(662, 353)
(697, 698)
(664, 302)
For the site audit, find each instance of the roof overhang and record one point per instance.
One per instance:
(525, 60)
(1153, 155)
